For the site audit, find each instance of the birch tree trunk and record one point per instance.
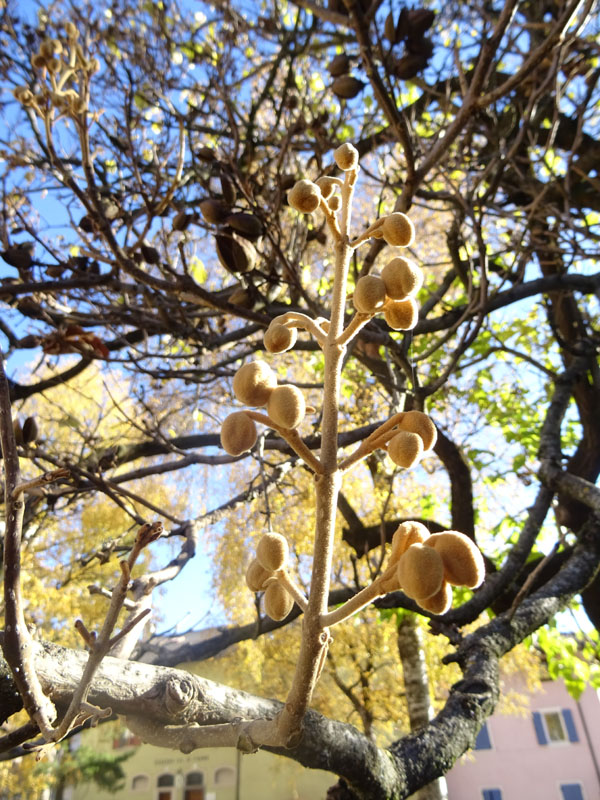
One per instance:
(416, 683)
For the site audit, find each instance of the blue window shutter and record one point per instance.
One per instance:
(483, 742)
(570, 726)
(571, 791)
(539, 728)
(493, 794)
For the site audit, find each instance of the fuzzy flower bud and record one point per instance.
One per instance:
(421, 424)
(402, 315)
(273, 551)
(407, 533)
(253, 383)
(326, 185)
(369, 294)
(419, 574)
(439, 602)
(402, 277)
(463, 563)
(278, 601)
(286, 406)
(398, 230)
(238, 433)
(279, 338)
(406, 449)
(305, 196)
(256, 575)
(346, 156)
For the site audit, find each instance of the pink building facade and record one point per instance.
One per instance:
(551, 753)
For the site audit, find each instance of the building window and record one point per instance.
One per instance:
(571, 791)
(491, 794)
(483, 741)
(194, 786)
(140, 782)
(165, 784)
(555, 726)
(225, 776)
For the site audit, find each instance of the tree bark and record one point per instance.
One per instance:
(418, 697)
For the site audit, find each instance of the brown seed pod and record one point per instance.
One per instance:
(402, 277)
(326, 185)
(214, 211)
(305, 196)
(419, 574)
(228, 190)
(286, 406)
(417, 422)
(149, 254)
(238, 433)
(278, 601)
(339, 65)
(347, 87)
(463, 563)
(398, 230)
(253, 383)
(235, 253)
(389, 28)
(335, 203)
(346, 156)
(273, 551)
(18, 431)
(30, 430)
(402, 315)
(369, 294)
(438, 603)
(240, 297)
(279, 338)
(246, 225)
(407, 533)
(405, 449)
(256, 575)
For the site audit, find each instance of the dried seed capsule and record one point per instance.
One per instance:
(246, 225)
(253, 383)
(402, 315)
(417, 422)
(405, 449)
(38, 61)
(279, 338)
(235, 253)
(407, 533)
(347, 87)
(463, 563)
(305, 196)
(30, 430)
(256, 575)
(334, 203)
(369, 294)
(71, 31)
(326, 185)
(346, 156)
(286, 406)
(402, 277)
(278, 601)
(398, 230)
(238, 433)
(17, 431)
(438, 603)
(419, 574)
(339, 65)
(273, 551)
(214, 211)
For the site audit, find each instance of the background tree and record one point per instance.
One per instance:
(147, 239)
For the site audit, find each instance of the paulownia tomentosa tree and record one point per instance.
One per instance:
(167, 141)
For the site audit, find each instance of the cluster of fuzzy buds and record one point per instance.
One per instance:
(306, 196)
(414, 436)
(272, 555)
(255, 385)
(62, 63)
(392, 292)
(426, 566)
